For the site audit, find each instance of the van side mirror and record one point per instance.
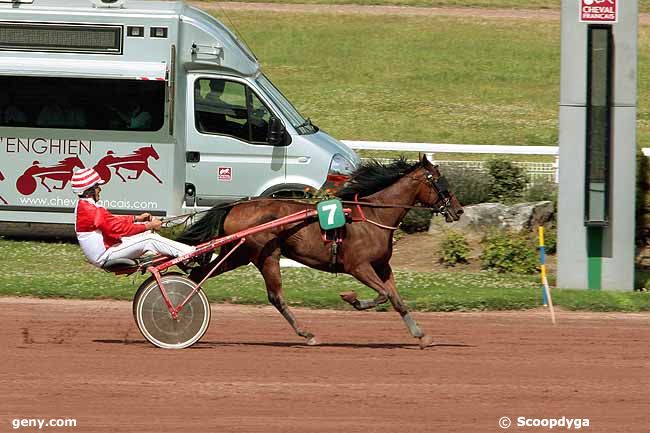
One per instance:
(277, 133)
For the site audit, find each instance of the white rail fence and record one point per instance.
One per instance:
(536, 170)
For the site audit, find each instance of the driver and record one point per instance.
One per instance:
(103, 236)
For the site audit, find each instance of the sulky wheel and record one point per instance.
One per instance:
(155, 321)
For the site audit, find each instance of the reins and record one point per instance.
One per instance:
(358, 205)
(365, 219)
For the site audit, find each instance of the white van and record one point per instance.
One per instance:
(160, 98)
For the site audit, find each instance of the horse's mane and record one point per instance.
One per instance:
(69, 159)
(373, 176)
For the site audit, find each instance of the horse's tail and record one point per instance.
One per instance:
(207, 227)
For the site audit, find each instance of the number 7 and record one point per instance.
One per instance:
(331, 209)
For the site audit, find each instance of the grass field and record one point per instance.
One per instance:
(58, 270)
(413, 78)
(644, 5)
(511, 4)
(421, 79)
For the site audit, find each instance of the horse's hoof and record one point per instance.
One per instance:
(312, 342)
(426, 341)
(349, 297)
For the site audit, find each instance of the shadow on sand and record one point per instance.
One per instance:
(288, 344)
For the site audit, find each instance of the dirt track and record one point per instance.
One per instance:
(86, 360)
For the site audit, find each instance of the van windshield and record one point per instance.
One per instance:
(303, 126)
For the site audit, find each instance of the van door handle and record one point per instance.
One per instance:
(192, 157)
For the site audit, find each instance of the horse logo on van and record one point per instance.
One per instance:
(2, 177)
(62, 172)
(138, 162)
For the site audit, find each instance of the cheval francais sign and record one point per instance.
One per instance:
(599, 11)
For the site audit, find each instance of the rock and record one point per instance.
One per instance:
(485, 216)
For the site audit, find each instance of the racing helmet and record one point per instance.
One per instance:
(85, 178)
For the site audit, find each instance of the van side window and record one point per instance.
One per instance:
(230, 108)
(82, 103)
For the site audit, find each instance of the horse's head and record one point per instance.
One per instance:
(434, 192)
(72, 161)
(151, 151)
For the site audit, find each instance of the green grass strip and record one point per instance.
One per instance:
(53, 270)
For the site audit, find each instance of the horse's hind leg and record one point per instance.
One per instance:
(269, 267)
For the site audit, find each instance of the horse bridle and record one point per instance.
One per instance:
(441, 187)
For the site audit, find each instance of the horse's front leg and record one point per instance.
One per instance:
(386, 274)
(351, 298)
(384, 283)
(269, 267)
(64, 182)
(367, 275)
(148, 170)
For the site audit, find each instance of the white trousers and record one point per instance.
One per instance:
(135, 246)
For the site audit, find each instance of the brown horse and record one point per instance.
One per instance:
(385, 192)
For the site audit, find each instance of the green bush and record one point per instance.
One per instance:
(454, 248)
(542, 190)
(416, 221)
(508, 181)
(509, 252)
(469, 185)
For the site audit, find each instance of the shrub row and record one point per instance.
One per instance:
(502, 181)
(502, 251)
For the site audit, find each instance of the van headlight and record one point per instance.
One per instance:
(340, 170)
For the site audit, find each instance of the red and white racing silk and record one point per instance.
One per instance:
(98, 229)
